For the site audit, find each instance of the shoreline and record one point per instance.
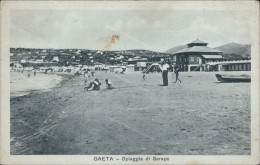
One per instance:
(63, 77)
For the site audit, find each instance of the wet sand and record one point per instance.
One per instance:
(198, 116)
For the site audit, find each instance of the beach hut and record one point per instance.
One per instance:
(98, 66)
(141, 65)
(113, 68)
(130, 68)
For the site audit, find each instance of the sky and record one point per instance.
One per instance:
(135, 29)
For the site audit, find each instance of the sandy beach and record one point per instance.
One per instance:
(198, 116)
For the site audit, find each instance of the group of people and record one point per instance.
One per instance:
(95, 85)
(29, 73)
(165, 69)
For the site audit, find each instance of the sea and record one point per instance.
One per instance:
(21, 84)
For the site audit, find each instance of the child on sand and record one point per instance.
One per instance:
(143, 76)
(109, 84)
(176, 71)
(93, 86)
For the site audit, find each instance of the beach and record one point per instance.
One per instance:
(199, 116)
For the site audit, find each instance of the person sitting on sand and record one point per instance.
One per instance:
(176, 71)
(109, 84)
(93, 86)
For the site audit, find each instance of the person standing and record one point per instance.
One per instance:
(29, 73)
(176, 71)
(86, 77)
(165, 68)
(92, 73)
(34, 73)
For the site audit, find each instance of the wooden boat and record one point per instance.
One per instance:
(233, 78)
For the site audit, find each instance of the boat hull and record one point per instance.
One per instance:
(227, 79)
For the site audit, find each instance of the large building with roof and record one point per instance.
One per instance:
(196, 55)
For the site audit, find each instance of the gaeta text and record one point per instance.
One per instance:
(131, 159)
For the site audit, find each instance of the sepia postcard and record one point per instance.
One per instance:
(129, 82)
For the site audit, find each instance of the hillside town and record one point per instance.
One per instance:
(196, 56)
(53, 58)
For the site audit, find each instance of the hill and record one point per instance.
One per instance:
(176, 49)
(235, 50)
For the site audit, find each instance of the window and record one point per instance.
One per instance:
(191, 58)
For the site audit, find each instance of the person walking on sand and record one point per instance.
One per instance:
(176, 71)
(85, 77)
(165, 68)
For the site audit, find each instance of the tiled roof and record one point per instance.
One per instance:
(197, 41)
(199, 49)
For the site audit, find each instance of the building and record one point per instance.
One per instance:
(140, 66)
(130, 68)
(136, 59)
(55, 59)
(157, 57)
(98, 66)
(232, 65)
(15, 59)
(196, 55)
